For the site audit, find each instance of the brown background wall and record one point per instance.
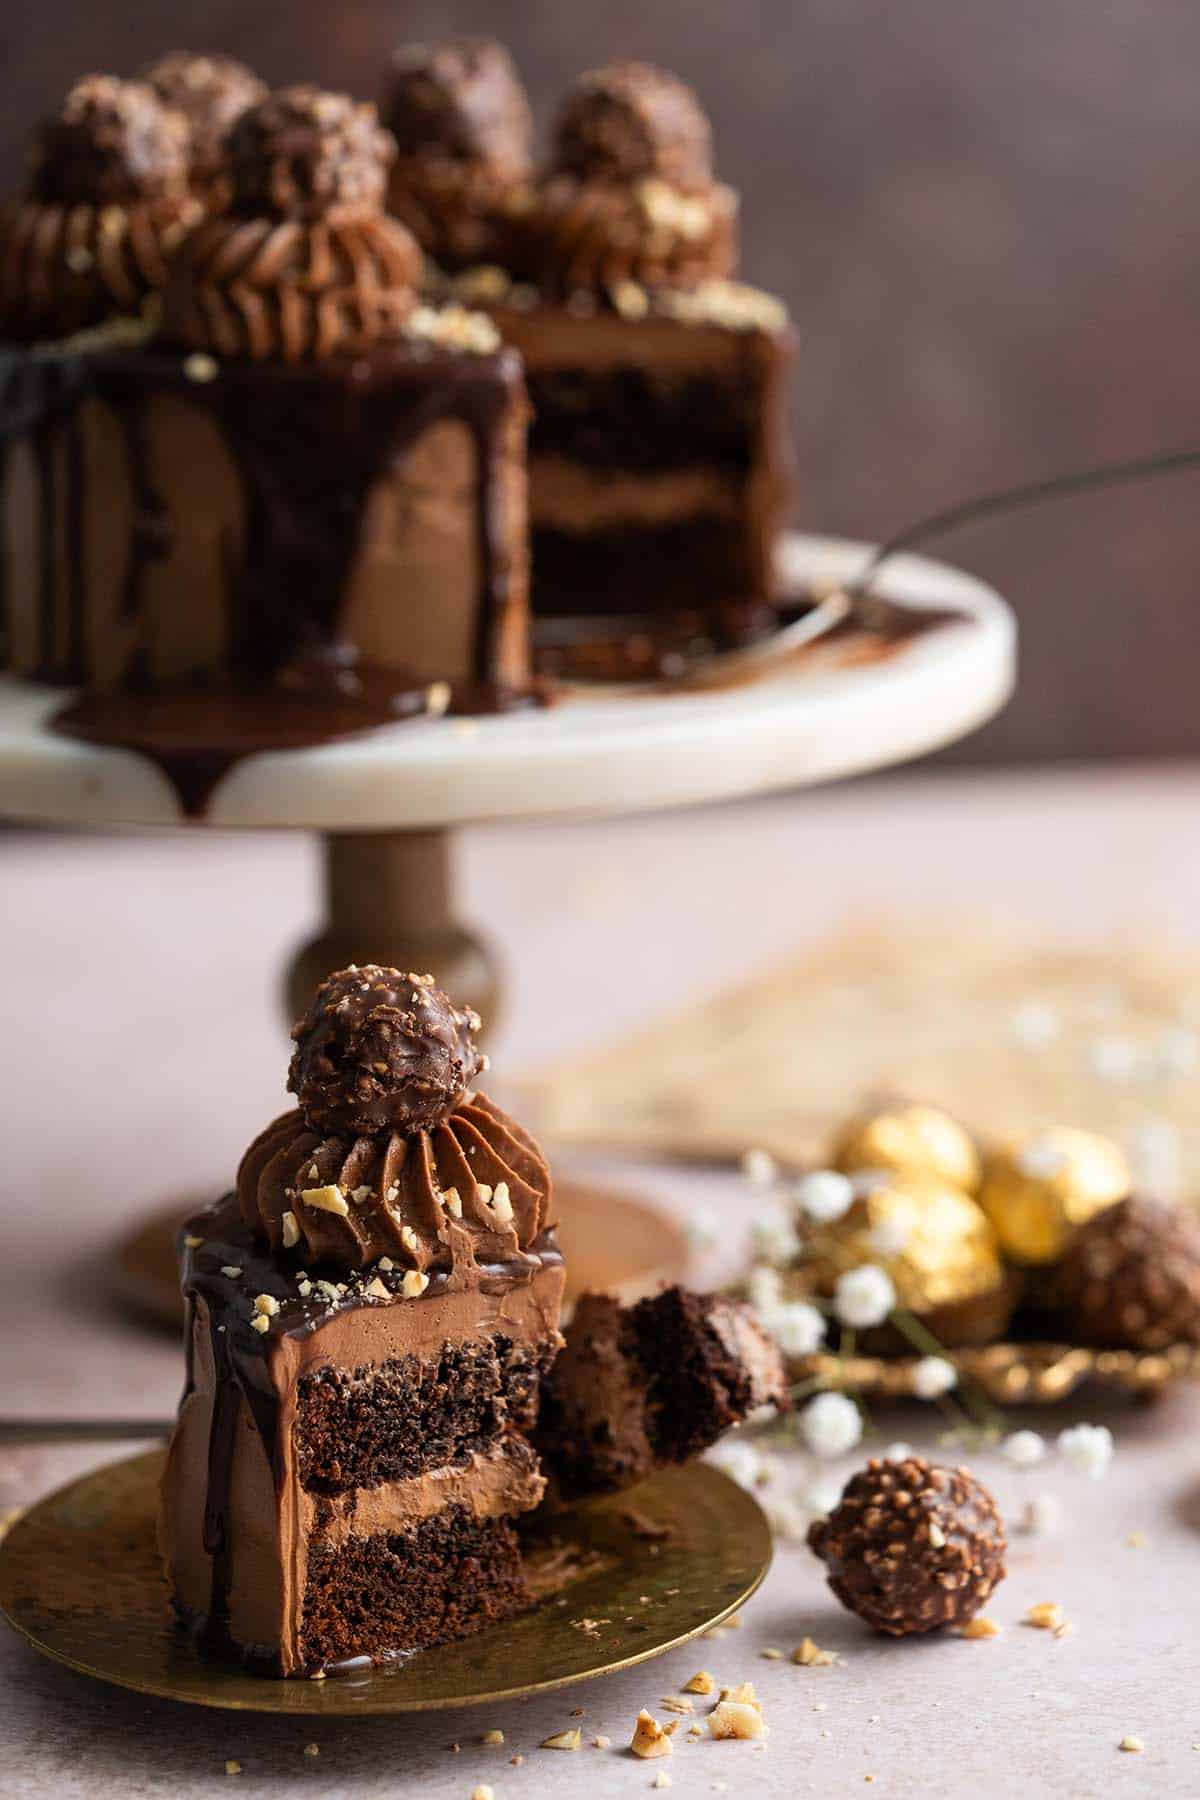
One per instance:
(985, 217)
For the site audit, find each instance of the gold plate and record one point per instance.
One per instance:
(611, 1240)
(1011, 1374)
(638, 1574)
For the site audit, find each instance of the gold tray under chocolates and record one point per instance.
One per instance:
(623, 1578)
(1033, 1374)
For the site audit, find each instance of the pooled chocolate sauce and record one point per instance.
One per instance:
(195, 736)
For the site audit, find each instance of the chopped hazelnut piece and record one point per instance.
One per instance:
(492, 1737)
(483, 1792)
(410, 1240)
(483, 1192)
(379, 1289)
(601, 1742)
(737, 1719)
(386, 1264)
(811, 1656)
(260, 1323)
(772, 1655)
(453, 1203)
(266, 1303)
(312, 1749)
(232, 1767)
(563, 1740)
(1046, 1616)
(291, 1231)
(661, 1780)
(674, 1703)
(414, 1283)
(191, 1242)
(980, 1627)
(1131, 1743)
(304, 1287)
(502, 1206)
(328, 1199)
(649, 1738)
(437, 698)
(701, 1683)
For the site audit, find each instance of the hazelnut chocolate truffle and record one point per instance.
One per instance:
(211, 92)
(304, 153)
(464, 137)
(911, 1140)
(1130, 1278)
(910, 1547)
(107, 198)
(378, 1050)
(630, 120)
(1039, 1190)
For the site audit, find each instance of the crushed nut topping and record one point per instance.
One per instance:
(563, 1740)
(260, 1323)
(414, 1284)
(979, 1627)
(266, 1303)
(701, 1683)
(811, 1656)
(291, 1230)
(1046, 1616)
(328, 1199)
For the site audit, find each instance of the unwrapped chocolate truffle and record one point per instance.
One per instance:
(110, 143)
(631, 120)
(378, 1050)
(303, 153)
(464, 134)
(1130, 1279)
(910, 1547)
(211, 92)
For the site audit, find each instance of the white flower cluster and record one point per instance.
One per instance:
(1089, 1449)
(796, 1327)
(831, 1424)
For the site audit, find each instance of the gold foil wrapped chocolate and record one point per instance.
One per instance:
(1038, 1190)
(909, 1140)
(932, 1239)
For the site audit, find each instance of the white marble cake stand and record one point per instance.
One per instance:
(387, 801)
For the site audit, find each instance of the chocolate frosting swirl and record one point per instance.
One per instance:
(107, 201)
(474, 1189)
(630, 120)
(291, 288)
(211, 92)
(304, 262)
(599, 235)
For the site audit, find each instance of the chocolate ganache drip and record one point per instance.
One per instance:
(390, 1152)
(305, 262)
(107, 199)
(464, 133)
(630, 196)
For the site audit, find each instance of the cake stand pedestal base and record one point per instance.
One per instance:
(389, 896)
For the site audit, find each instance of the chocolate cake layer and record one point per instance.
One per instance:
(195, 521)
(410, 1414)
(659, 470)
(451, 1576)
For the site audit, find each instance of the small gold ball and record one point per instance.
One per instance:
(911, 1140)
(1037, 1190)
(932, 1239)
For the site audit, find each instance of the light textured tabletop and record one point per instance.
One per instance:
(143, 1045)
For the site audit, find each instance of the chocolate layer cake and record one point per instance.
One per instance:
(307, 482)
(658, 456)
(370, 1318)
(638, 1387)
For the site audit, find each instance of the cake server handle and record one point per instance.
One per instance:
(80, 1431)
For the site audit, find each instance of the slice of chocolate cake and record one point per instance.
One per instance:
(636, 1387)
(659, 463)
(370, 1318)
(309, 484)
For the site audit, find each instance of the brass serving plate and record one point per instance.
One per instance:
(1034, 1374)
(629, 1578)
